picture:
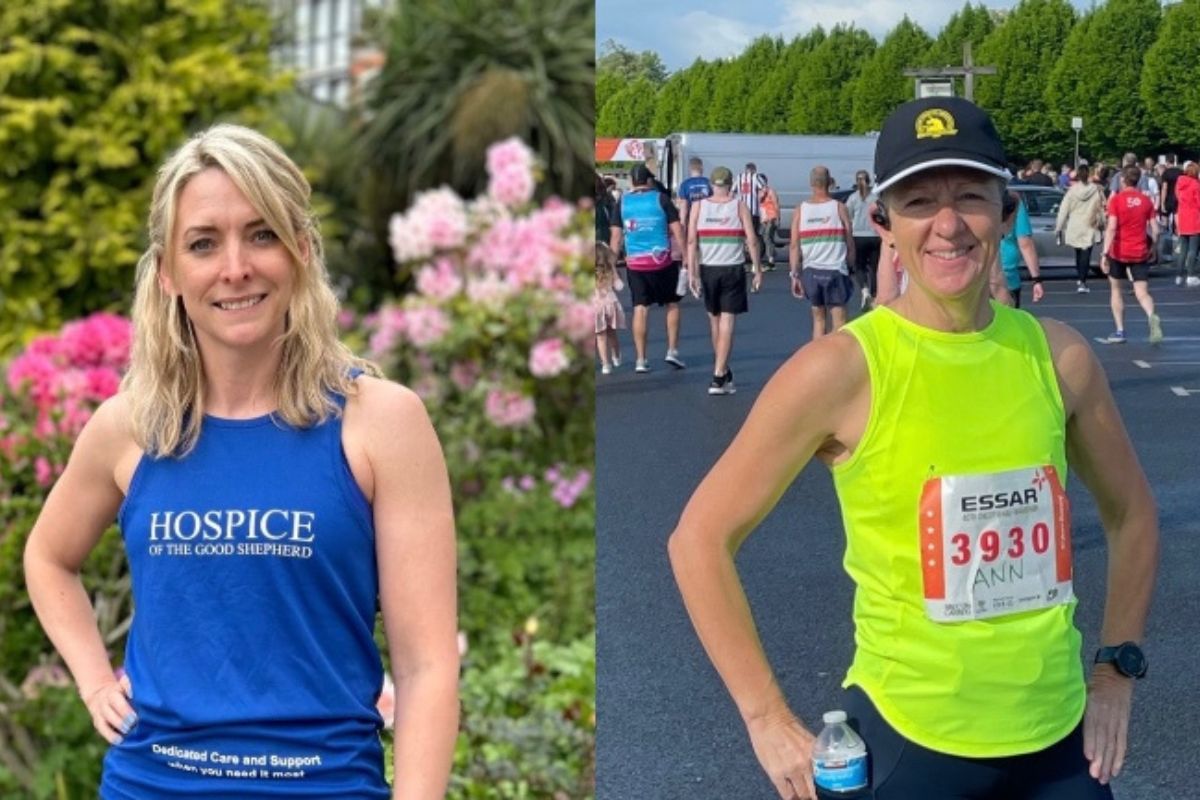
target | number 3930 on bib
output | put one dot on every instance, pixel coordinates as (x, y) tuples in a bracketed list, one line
[(995, 544)]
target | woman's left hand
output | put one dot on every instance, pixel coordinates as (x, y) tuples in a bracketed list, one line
[(1106, 722)]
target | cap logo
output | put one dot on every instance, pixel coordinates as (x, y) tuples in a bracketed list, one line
[(934, 123)]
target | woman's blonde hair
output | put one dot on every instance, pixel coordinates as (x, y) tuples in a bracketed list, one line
[(165, 382)]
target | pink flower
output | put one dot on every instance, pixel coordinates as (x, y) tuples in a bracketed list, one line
[(43, 471), (436, 221), (465, 374), (510, 169), (548, 358), (99, 340), (511, 153), (441, 214), (439, 281), (507, 409), (577, 321), (48, 346), (512, 187), (345, 319), (527, 483), (101, 383), (408, 239), (35, 374), (389, 327), (490, 290), (425, 325)]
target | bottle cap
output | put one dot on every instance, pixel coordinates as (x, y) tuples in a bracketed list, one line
[(834, 717)]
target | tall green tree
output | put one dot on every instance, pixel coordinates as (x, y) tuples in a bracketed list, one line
[(701, 77), (1024, 50), (881, 86), (822, 101), (93, 96), (771, 101), (669, 105), (1099, 78), (607, 84), (1170, 84), (763, 59), (630, 112), (971, 23), (616, 59)]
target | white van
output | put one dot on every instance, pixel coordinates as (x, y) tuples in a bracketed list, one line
[(786, 160)]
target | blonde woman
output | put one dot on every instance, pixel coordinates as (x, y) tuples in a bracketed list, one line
[(271, 490), (1081, 216)]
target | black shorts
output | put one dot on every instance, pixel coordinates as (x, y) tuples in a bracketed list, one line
[(826, 287), (654, 288), (903, 770), (724, 289), (1123, 269)]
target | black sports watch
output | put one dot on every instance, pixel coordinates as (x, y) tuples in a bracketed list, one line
[(1127, 657)]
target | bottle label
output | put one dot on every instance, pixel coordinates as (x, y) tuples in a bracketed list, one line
[(840, 774)]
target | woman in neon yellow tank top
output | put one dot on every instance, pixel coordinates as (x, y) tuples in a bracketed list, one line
[(947, 421)]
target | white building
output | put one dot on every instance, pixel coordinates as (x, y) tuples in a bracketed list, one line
[(322, 41)]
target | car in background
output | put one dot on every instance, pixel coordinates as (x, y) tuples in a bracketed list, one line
[(1058, 260)]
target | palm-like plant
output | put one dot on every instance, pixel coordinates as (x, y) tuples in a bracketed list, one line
[(462, 74)]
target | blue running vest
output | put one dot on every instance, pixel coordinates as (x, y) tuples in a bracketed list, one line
[(647, 233), (251, 654)]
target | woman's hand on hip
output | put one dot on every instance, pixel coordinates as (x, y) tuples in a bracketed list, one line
[(112, 714)]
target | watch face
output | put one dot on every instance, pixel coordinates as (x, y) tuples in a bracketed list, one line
[(1130, 661)]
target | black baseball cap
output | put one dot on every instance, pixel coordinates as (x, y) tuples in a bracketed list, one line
[(937, 132), (640, 175)]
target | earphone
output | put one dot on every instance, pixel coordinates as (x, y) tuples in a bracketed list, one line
[(1008, 204)]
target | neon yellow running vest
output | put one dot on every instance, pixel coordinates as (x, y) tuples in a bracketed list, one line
[(952, 404)]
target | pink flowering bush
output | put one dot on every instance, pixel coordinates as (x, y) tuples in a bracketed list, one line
[(500, 328), (50, 391), (497, 339)]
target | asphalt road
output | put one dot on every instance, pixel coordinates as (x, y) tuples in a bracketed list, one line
[(667, 729)]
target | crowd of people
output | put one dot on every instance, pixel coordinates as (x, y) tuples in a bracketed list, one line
[(690, 240)]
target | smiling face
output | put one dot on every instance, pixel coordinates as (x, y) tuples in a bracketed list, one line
[(234, 274), (946, 226)]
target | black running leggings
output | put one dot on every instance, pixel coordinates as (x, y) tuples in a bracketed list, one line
[(1083, 263), (903, 770)]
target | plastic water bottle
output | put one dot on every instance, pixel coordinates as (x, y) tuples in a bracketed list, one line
[(839, 759)]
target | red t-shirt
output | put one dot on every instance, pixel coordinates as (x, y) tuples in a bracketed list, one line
[(1133, 211)]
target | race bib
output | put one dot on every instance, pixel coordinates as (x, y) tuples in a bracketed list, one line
[(995, 544)]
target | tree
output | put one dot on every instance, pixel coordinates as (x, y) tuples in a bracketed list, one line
[(881, 85), (969, 24), (93, 96), (630, 112), (616, 59), (669, 105), (772, 100), (1024, 50), (701, 75), (1099, 77), (463, 74), (1170, 85), (823, 98), (761, 61)]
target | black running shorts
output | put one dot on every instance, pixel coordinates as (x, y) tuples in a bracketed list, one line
[(724, 289), (654, 288), (903, 770), (826, 287)]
